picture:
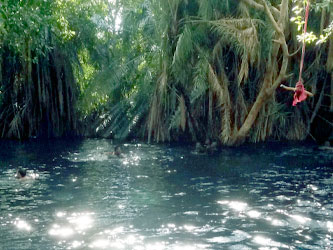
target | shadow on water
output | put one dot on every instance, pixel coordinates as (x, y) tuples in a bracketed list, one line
[(264, 196)]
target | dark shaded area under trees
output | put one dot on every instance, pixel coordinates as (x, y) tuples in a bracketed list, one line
[(162, 70)]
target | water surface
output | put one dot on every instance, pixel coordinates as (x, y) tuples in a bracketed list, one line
[(268, 196)]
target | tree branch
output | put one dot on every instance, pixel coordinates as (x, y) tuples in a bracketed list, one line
[(289, 75), (277, 41), (282, 74), (254, 4), (270, 16), (283, 13), (292, 54)]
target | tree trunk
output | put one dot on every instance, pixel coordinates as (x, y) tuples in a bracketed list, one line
[(331, 106), (269, 85), (241, 134), (329, 64)]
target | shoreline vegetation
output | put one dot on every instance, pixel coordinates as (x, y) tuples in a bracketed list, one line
[(165, 71)]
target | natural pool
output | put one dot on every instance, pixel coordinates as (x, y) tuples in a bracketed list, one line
[(266, 196)]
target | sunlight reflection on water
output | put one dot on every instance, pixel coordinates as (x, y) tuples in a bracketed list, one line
[(267, 242), (157, 197), (254, 214), (22, 225), (67, 226)]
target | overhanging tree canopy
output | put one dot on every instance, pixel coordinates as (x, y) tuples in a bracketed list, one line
[(162, 70)]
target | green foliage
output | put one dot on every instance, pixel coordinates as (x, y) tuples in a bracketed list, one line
[(184, 47), (200, 79), (148, 67), (298, 19), (25, 22)]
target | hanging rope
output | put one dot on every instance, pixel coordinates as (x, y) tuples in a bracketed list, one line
[(304, 32), (300, 93)]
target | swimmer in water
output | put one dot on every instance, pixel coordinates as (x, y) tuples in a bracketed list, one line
[(211, 148), (199, 148), (207, 148), (21, 173), (117, 151)]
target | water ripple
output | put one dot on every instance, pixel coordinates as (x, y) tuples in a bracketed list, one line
[(164, 197)]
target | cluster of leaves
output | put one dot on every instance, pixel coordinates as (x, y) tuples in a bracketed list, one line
[(115, 73), (184, 57), (37, 38), (26, 21), (298, 18), (171, 64)]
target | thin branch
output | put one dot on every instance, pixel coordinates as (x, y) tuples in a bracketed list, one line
[(325, 120), (258, 6), (282, 74), (314, 113), (283, 12), (277, 41), (269, 14), (254, 4), (292, 54), (289, 75), (284, 65)]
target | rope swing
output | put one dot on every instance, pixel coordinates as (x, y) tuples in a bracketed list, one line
[(300, 93)]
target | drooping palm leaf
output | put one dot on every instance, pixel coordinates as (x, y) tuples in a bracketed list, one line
[(242, 35)]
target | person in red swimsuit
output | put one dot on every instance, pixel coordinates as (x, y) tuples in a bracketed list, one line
[(300, 93)]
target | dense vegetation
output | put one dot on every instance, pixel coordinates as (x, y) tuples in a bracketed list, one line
[(163, 70)]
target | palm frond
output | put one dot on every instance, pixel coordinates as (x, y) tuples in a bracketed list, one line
[(241, 108), (184, 48), (215, 86), (220, 89), (178, 119), (156, 115), (182, 108), (200, 79), (242, 35), (14, 127), (214, 9), (205, 10), (244, 69)]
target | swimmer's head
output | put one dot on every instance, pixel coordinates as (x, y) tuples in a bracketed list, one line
[(117, 150), (21, 173)]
